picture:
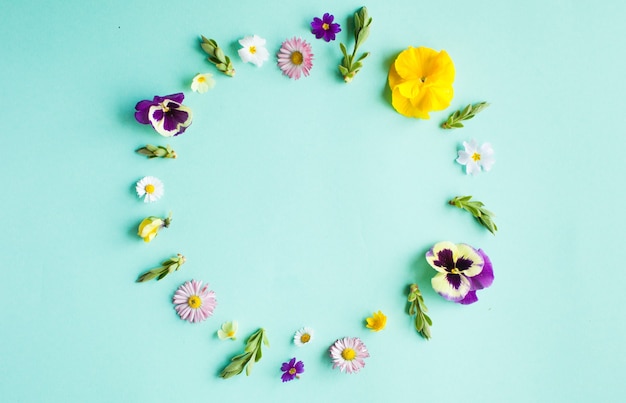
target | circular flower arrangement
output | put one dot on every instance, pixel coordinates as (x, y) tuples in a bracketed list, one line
[(420, 80)]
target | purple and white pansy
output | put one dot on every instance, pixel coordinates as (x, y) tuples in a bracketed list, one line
[(462, 271), (167, 115)]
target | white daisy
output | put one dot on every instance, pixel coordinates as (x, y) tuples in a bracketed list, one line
[(150, 188), (253, 50), (303, 336), (202, 83)]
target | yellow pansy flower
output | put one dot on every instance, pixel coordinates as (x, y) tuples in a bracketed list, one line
[(421, 81)]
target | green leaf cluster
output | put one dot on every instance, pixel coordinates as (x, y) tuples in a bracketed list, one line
[(467, 113), (350, 65), (418, 308), (151, 151), (169, 266), (482, 215), (252, 353), (217, 56)]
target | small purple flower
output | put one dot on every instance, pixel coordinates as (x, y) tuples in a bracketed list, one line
[(167, 115), (462, 270), (325, 28), (291, 370)]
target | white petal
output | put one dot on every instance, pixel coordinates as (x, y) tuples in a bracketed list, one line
[(472, 168)]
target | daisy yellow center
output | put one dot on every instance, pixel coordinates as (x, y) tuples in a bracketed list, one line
[(292, 371), (231, 333), (305, 338), (348, 354), (476, 157), (325, 26), (201, 79), (296, 58), (194, 302), (149, 188), (252, 49)]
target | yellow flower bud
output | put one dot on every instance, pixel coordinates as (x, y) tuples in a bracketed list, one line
[(149, 228)]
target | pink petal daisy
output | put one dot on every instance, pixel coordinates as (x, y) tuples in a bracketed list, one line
[(348, 354), (193, 302), (295, 58)]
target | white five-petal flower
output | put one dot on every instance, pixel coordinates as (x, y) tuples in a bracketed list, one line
[(228, 330), (253, 50), (474, 157), (202, 83), (150, 188)]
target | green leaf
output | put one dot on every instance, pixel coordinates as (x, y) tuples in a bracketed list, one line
[(482, 215), (363, 56), (347, 67), (467, 113), (252, 350), (419, 322), (417, 308), (343, 49), (249, 367)]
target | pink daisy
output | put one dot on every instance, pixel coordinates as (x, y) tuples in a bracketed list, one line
[(295, 57), (193, 302), (348, 354)]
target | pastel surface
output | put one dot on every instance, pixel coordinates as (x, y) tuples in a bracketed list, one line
[(310, 203)]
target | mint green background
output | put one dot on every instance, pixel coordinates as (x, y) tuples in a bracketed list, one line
[(310, 202)]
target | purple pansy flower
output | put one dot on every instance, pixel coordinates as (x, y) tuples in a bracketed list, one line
[(325, 28), (291, 370), (462, 270), (167, 115)]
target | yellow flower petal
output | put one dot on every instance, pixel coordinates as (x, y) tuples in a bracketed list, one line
[(405, 107)]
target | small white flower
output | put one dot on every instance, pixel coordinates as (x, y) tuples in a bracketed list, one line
[(303, 336), (202, 83), (150, 188), (253, 50), (474, 157), (228, 330)]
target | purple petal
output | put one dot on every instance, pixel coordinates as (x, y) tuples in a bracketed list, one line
[(179, 97), (285, 367), (142, 108), (485, 278), (317, 23), (286, 377), (299, 367), (470, 298), (157, 114)]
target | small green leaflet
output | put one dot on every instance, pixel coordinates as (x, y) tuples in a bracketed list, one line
[(418, 309), (245, 360), (455, 119), (482, 215), (349, 65)]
